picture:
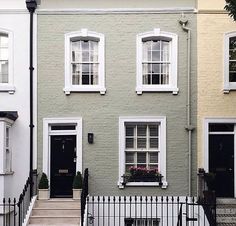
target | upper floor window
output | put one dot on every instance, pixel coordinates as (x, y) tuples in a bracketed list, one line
[(84, 62), (157, 62), (6, 62), (4, 53), (230, 62)]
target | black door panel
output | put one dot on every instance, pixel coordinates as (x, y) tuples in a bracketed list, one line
[(221, 162), (63, 166)]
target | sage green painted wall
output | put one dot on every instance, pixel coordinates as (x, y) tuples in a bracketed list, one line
[(116, 3), (101, 113)]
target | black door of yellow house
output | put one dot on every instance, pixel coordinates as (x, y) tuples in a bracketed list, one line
[(63, 165), (221, 158)]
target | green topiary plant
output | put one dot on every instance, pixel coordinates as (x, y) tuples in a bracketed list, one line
[(43, 183), (77, 182)]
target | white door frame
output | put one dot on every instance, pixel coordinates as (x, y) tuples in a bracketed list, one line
[(207, 121), (47, 123)]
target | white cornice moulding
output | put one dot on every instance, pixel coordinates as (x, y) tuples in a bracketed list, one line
[(117, 10), (14, 11)]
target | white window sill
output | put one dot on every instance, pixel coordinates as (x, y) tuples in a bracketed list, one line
[(157, 88), (7, 173), (143, 184), (230, 87), (85, 88), (7, 88)]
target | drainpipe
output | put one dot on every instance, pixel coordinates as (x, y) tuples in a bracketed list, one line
[(31, 6), (183, 22)]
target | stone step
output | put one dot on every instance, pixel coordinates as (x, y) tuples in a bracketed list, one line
[(57, 204), (230, 201), (59, 224), (56, 212), (54, 220), (225, 210), (226, 219)]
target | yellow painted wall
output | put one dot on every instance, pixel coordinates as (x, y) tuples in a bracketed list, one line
[(211, 4), (212, 102)]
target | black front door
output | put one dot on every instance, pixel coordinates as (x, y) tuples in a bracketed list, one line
[(221, 162), (63, 165)]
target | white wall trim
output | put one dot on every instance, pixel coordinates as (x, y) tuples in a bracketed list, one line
[(29, 212), (162, 142), (14, 11), (227, 85), (101, 59), (172, 86), (9, 87), (206, 123), (117, 10), (47, 122)]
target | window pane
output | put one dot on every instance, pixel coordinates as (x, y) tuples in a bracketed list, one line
[(129, 157), (3, 54), (141, 130), (232, 54), (156, 56), (76, 52), (85, 56), (63, 127), (94, 46), (145, 51), (232, 77), (153, 130), (232, 43), (141, 157), (232, 66), (129, 143), (4, 72), (155, 79), (153, 143), (156, 45), (85, 45), (153, 157), (165, 49), (129, 130), (3, 40), (221, 127), (156, 68), (141, 142)]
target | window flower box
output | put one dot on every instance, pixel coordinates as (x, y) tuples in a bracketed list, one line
[(139, 174)]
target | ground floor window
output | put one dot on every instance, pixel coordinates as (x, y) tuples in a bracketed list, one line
[(142, 149)]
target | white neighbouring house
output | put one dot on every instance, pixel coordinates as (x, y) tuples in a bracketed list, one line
[(14, 98)]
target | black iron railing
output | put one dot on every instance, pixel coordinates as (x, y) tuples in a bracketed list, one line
[(84, 194), (144, 210), (207, 197), (24, 202), (14, 212)]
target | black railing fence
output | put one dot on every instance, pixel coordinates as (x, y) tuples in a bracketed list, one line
[(144, 210), (84, 194), (13, 212)]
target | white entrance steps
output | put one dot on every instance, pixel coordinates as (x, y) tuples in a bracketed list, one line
[(226, 212), (55, 212)]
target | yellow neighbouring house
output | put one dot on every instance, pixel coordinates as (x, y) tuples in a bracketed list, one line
[(216, 43)]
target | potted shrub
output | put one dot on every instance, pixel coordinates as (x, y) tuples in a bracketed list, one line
[(43, 187), (77, 186)]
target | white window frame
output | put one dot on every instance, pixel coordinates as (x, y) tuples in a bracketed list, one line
[(9, 87), (173, 41), (47, 123), (205, 159), (227, 85), (100, 87), (161, 120), (4, 124)]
